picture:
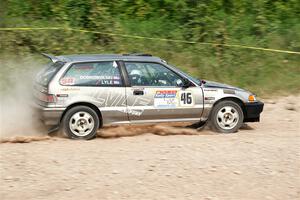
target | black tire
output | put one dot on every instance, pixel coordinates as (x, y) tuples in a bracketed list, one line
[(80, 110), (215, 121)]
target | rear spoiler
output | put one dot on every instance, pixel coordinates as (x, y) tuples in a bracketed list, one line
[(51, 57)]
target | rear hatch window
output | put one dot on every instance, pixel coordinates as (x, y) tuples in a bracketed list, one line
[(46, 74)]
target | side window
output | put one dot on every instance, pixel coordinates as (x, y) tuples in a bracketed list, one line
[(93, 74), (151, 74)]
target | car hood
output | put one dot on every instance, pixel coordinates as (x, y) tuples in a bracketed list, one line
[(212, 84)]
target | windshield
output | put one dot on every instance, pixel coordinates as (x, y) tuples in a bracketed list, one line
[(197, 81), (47, 73)]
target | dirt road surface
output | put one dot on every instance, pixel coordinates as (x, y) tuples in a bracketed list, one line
[(261, 161)]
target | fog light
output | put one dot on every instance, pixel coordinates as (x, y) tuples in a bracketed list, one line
[(251, 98)]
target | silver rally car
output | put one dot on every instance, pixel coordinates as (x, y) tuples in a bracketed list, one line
[(81, 93)]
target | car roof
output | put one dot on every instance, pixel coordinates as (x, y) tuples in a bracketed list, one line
[(103, 57)]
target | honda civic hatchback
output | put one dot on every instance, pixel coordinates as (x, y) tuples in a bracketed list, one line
[(81, 93)]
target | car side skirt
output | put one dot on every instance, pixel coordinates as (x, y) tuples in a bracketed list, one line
[(156, 121)]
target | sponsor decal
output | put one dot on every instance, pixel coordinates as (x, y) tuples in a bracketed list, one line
[(165, 99), (166, 94), (133, 112), (83, 67), (71, 89), (209, 98), (210, 90), (227, 91), (112, 98), (67, 81), (103, 80), (100, 77)]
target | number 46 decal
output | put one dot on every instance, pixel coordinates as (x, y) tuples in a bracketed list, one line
[(186, 99)]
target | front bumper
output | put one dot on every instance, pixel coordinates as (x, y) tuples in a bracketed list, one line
[(49, 116), (252, 111)]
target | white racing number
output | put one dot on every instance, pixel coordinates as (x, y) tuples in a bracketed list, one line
[(186, 99)]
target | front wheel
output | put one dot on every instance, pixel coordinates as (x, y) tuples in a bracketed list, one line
[(80, 122), (226, 117)]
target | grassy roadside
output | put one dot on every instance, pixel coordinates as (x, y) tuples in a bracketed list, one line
[(263, 73)]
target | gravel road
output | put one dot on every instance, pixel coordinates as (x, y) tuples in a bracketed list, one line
[(261, 161)]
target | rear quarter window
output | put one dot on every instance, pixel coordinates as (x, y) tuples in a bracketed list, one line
[(93, 74), (48, 72)]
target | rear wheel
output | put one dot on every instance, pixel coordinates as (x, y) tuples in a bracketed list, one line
[(80, 122), (226, 117)]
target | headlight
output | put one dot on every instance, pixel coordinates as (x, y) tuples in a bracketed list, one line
[(251, 98)]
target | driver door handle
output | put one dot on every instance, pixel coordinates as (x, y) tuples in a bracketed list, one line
[(138, 92)]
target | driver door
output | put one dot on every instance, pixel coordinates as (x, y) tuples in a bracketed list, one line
[(154, 94)]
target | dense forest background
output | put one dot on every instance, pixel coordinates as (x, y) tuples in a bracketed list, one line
[(261, 23)]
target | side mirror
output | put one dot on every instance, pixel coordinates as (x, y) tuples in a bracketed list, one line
[(185, 83)]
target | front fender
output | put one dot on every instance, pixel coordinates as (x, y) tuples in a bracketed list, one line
[(212, 96)]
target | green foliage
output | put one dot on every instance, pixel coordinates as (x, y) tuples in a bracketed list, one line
[(264, 23)]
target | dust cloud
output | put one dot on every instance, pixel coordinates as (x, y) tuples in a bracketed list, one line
[(16, 114)]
